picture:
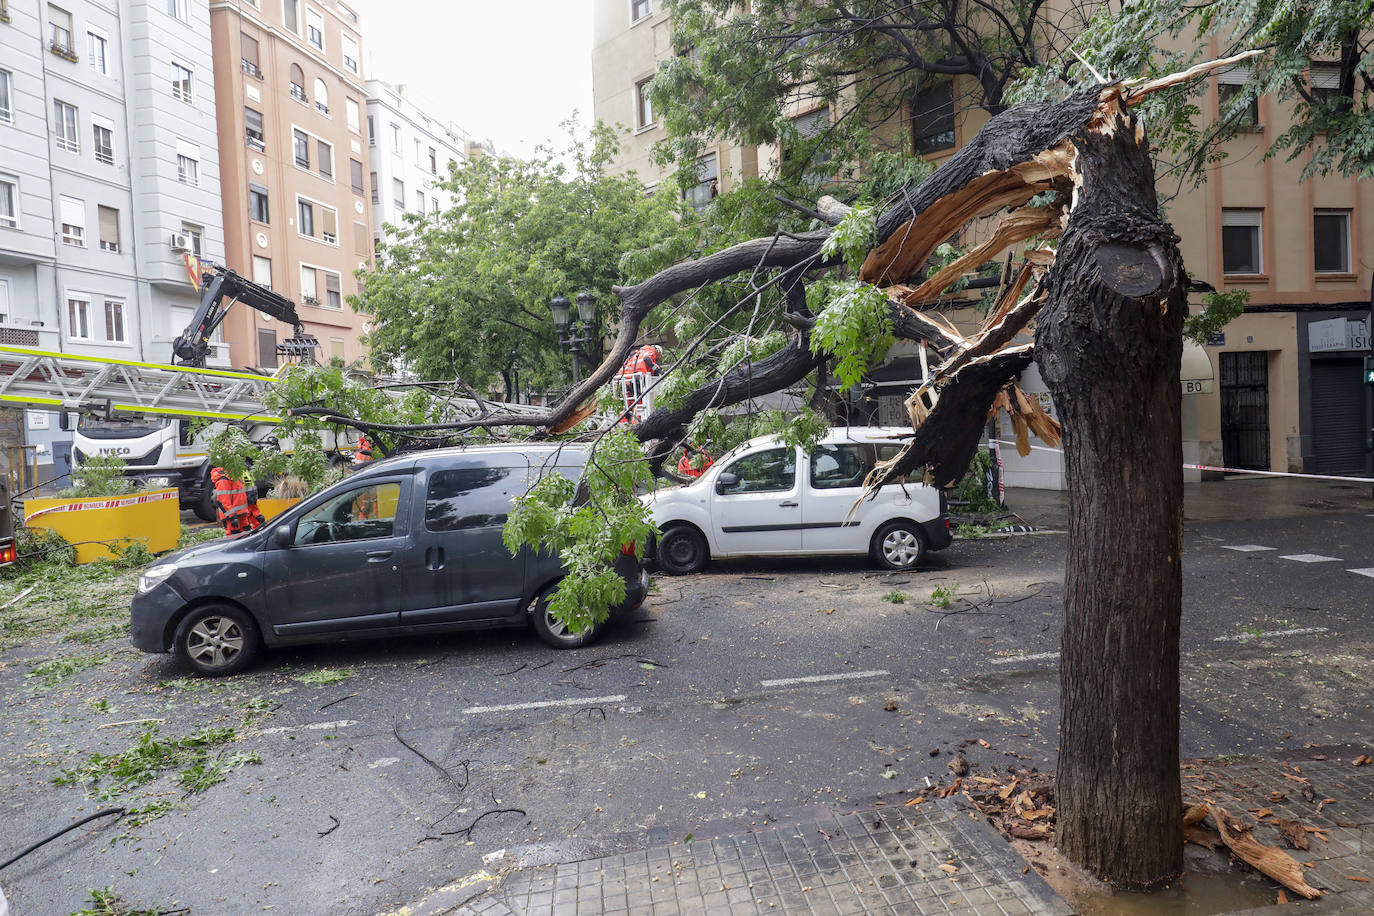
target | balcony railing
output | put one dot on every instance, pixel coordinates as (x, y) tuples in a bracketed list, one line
[(63, 50), (298, 93), (256, 142), (104, 156), (251, 69), (310, 300), (70, 144), (322, 108), (330, 237)]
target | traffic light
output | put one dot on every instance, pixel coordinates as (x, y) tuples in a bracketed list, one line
[(1369, 369)]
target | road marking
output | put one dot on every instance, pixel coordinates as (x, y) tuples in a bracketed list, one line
[(516, 707), (1246, 637), (1015, 659), (821, 678), (1311, 558), (337, 723), (1247, 548), (1363, 572)]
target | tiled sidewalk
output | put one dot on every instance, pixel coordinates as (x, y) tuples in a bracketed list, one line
[(882, 860)]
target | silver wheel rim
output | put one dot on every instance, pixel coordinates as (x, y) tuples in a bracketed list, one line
[(553, 625), (215, 641), (901, 548)]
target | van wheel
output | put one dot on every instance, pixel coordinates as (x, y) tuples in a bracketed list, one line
[(555, 633), (899, 545), (204, 507), (681, 551), (217, 640)]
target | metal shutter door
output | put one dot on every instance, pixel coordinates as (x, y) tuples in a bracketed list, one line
[(1337, 417)]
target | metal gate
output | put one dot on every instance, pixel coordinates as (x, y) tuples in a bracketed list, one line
[(1245, 409)]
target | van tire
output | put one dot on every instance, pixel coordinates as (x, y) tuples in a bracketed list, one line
[(899, 545), (216, 640), (204, 506), (682, 551), (554, 633)]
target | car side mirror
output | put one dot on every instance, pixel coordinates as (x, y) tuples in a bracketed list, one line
[(281, 536), (725, 481)]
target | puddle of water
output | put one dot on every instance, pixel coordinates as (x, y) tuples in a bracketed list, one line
[(1204, 894)]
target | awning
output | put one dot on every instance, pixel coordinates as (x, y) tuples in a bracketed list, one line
[(1196, 371)]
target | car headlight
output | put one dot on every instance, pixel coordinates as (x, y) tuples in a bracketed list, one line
[(154, 575)]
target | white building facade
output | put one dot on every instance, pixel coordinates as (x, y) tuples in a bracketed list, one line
[(409, 153), (109, 175)]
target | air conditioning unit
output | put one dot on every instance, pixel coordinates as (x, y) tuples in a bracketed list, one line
[(180, 242)]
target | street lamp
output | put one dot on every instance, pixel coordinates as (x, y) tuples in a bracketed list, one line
[(574, 336)]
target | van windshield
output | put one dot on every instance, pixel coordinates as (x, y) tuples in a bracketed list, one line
[(119, 428)]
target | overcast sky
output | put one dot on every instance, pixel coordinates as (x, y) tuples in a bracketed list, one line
[(507, 71)]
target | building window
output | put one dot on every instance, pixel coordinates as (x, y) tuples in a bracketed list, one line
[(262, 271), (6, 112), (291, 16), (644, 108), (114, 321), (267, 348), (1331, 241), (64, 126), (398, 194), (252, 129), (1241, 251), (298, 84), (708, 183), (104, 143), (333, 298), (434, 205), (371, 131), (418, 160), (433, 162), (1325, 82), (420, 202), (310, 294), (181, 82), (258, 209), (354, 114), (640, 8), (97, 47), (195, 235), (1231, 101), (810, 126), (329, 225), (108, 219), (78, 318), (360, 238), (249, 55), (932, 119), (188, 163), (305, 218), (350, 52), (326, 159), (321, 97), (396, 138), (60, 31), (179, 9), (336, 348), (9, 202), (300, 145), (73, 213), (372, 180), (314, 28), (355, 175)]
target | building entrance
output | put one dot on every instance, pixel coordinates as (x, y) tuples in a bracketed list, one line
[(1244, 382)]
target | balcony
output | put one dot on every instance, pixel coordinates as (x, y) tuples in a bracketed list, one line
[(250, 68), (63, 50), (311, 300), (298, 93)]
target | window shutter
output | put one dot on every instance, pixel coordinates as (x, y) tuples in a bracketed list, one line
[(73, 211), (331, 283), (1234, 76), (326, 158), (250, 48), (109, 224), (1325, 77)]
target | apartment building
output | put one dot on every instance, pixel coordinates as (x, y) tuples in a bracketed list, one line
[(1280, 389), (410, 152), (290, 92), (109, 176)]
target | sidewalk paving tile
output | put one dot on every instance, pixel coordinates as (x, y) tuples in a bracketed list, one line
[(881, 860)]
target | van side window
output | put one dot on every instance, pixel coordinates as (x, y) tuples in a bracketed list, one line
[(836, 466), (761, 472), (355, 515), (469, 498), (887, 453)]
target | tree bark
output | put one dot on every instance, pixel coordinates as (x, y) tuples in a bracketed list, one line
[(1109, 344)]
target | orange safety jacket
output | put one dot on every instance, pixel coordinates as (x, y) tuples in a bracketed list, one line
[(363, 453), (235, 505), (686, 466)]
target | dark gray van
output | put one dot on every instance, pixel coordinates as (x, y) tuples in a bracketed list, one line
[(409, 545)]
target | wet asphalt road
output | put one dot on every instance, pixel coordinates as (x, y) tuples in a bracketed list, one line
[(692, 716)]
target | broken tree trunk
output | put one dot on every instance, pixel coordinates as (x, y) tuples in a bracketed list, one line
[(1108, 344)]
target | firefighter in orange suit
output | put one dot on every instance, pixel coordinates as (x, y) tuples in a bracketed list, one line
[(363, 453), (236, 503), (693, 462)]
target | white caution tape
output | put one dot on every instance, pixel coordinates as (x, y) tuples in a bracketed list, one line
[(117, 502), (1208, 467)]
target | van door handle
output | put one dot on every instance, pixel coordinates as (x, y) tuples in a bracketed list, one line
[(788, 504), (378, 556), (434, 558)]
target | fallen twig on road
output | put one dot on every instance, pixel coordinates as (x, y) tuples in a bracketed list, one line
[(396, 730), (467, 831), (339, 700), (330, 830)]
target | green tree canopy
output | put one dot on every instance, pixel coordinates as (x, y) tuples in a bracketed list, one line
[(464, 292)]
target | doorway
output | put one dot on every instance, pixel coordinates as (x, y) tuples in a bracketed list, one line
[(1245, 409)]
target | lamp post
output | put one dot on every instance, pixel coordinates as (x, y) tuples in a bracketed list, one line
[(574, 336)]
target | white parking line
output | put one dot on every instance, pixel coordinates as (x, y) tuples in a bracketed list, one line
[(337, 723), (1369, 571), (1311, 558), (821, 678), (1016, 659), (542, 704), (1246, 637), (1247, 548)]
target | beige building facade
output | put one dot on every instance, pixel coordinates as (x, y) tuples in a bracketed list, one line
[(291, 96), (1282, 386)]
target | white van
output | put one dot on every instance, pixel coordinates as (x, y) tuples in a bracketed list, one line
[(767, 499)]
